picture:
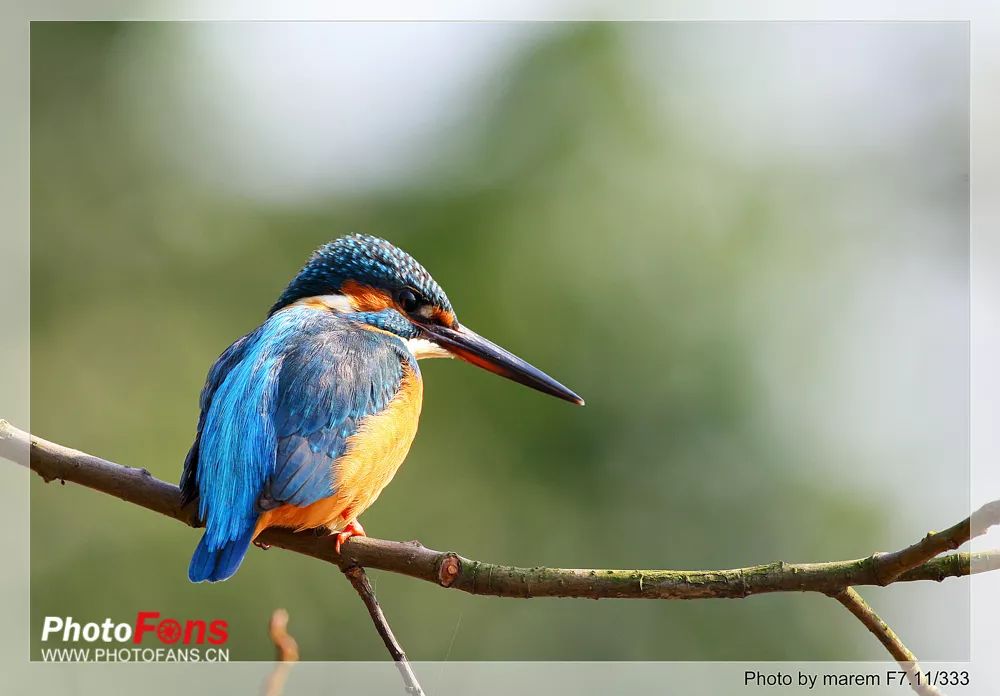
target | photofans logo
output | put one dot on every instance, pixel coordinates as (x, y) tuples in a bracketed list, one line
[(147, 639)]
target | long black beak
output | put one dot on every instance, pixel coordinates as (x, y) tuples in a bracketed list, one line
[(469, 346)]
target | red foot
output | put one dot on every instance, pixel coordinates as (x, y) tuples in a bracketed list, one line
[(353, 528)]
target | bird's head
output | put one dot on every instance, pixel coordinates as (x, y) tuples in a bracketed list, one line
[(372, 281)]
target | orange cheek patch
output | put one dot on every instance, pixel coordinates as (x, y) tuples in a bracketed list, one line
[(444, 317), (366, 298)]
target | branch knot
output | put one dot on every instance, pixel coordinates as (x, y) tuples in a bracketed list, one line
[(449, 569)]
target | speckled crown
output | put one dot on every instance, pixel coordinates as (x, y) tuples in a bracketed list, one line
[(366, 260)]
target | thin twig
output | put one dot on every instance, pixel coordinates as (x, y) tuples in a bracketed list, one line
[(286, 653), (359, 579), (285, 647), (855, 604), (891, 565), (446, 569)]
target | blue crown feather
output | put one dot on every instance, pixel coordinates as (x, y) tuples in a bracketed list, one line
[(366, 260)]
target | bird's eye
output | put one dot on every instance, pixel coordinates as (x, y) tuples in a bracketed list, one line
[(408, 300)]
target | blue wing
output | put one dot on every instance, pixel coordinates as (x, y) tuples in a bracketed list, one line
[(277, 410), (329, 382)]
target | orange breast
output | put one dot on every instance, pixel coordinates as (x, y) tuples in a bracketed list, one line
[(373, 455)]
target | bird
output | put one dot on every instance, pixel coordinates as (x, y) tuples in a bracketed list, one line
[(304, 420)]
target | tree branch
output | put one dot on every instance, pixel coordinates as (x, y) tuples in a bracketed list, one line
[(286, 653), (447, 569), (286, 649), (855, 604), (889, 566), (918, 562), (359, 579)]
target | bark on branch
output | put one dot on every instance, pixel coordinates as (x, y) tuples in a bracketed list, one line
[(855, 604), (447, 569), (918, 562), (359, 580)]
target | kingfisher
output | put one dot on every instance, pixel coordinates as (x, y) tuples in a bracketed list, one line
[(306, 419)]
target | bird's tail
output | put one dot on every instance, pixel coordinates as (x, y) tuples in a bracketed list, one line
[(218, 564)]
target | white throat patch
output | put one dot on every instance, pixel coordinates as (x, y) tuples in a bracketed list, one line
[(423, 349)]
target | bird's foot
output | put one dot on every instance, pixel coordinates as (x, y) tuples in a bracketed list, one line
[(353, 528), (261, 545)]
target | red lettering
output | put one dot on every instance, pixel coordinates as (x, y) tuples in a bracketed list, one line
[(190, 627), (218, 632), (141, 627)]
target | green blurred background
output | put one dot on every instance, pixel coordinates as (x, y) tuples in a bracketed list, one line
[(744, 244)]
